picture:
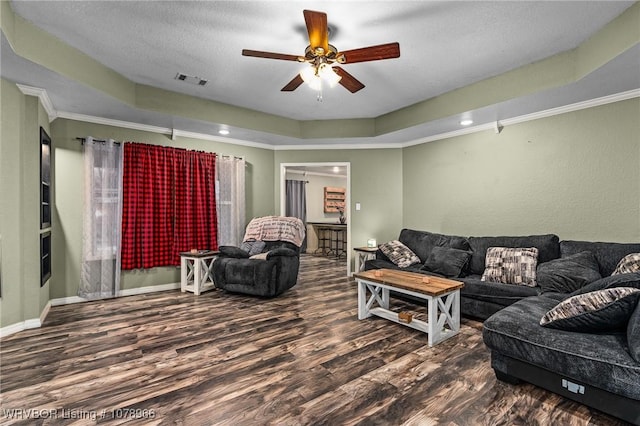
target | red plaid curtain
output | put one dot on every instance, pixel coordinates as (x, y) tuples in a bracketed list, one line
[(196, 219), (160, 186)]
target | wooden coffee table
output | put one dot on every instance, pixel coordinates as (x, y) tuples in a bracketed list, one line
[(442, 296)]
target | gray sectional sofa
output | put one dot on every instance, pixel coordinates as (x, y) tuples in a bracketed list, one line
[(598, 369), (478, 299)]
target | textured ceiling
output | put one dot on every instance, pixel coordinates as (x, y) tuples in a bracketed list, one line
[(444, 45)]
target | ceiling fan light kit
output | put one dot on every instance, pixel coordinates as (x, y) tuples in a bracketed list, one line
[(323, 58)]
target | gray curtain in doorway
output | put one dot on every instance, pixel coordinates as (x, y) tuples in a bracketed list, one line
[(296, 204)]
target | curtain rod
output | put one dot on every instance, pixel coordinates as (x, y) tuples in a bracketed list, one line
[(83, 140), (231, 156)]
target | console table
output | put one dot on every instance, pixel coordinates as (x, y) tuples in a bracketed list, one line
[(196, 271), (333, 244)]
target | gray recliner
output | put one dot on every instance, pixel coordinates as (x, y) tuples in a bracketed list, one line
[(236, 272)]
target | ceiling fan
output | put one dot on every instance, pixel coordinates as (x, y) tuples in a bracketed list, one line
[(323, 57)]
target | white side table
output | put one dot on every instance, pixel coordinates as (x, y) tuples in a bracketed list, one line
[(196, 271), (362, 255)]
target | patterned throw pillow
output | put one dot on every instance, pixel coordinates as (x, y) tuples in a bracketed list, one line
[(601, 310), (511, 265), (399, 254), (630, 263)]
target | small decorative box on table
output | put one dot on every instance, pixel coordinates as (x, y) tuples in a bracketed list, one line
[(442, 298), (196, 270)]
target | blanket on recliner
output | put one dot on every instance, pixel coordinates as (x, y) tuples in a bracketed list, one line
[(275, 228)]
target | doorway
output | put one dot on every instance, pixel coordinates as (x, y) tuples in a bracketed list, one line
[(318, 176)]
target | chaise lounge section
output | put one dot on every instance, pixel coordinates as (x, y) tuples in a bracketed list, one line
[(599, 368)]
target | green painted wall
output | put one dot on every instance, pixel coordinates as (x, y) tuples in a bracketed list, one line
[(575, 174), (11, 116), (376, 183), (21, 117), (67, 223)]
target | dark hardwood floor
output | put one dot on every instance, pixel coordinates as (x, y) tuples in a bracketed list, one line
[(302, 358)]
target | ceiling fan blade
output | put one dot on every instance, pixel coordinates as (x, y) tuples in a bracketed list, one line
[(348, 81), (293, 84), (269, 55), (372, 53), (317, 29)]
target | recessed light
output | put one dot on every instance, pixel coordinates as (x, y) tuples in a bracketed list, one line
[(466, 122), (223, 132), (336, 169)]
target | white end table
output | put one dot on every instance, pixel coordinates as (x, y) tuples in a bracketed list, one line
[(362, 255), (196, 271)]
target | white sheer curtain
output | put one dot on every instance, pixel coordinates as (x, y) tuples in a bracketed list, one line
[(230, 200), (102, 219)]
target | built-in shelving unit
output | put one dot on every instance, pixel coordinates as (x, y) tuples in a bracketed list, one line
[(45, 207), (45, 180), (334, 199)]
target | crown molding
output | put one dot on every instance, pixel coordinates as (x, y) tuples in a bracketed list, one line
[(591, 103), (115, 123), (305, 173), (214, 138), (44, 99), (48, 106), (333, 146)]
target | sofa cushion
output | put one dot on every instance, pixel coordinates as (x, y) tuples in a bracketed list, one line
[(399, 253), (446, 261), (633, 334), (567, 274), (601, 310), (511, 265), (600, 360), (548, 248), (422, 242), (500, 293), (607, 254), (630, 263), (620, 280)]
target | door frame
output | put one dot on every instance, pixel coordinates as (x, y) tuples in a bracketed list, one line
[(347, 203)]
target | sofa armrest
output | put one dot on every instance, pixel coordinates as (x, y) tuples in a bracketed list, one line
[(233, 252), (282, 251)]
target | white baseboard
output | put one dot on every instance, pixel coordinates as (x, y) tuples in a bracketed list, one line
[(37, 322), (13, 328), (67, 300), (20, 326), (45, 312), (121, 293), (150, 289)]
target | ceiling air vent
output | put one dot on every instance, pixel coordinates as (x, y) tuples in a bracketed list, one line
[(191, 79)]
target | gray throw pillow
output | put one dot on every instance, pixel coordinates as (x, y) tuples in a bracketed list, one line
[(399, 254), (567, 274), (620, 280), (253, 247), (446, 261), (602, 310), (633, 334)]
